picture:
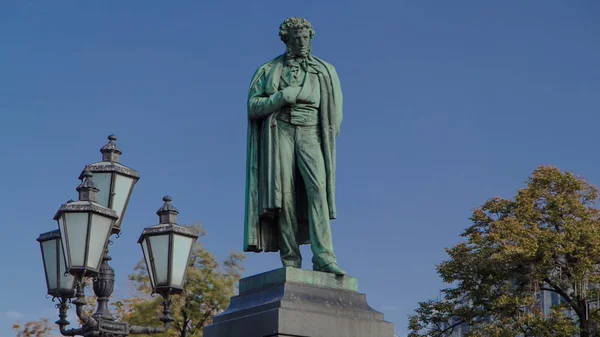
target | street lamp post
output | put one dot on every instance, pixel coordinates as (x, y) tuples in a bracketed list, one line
[(78, 250)]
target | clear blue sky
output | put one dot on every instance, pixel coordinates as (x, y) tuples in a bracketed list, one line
[(446, 105)]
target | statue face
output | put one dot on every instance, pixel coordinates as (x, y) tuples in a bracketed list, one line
[(299, 42)]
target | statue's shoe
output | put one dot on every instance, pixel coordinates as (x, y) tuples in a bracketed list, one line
[(332, 268), (292, 265)]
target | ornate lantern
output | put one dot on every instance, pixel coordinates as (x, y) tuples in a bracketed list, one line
[(59, 283), (167, 247), (85, 227), (115, 181)]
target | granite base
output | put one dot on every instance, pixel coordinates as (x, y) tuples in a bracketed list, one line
[(291, 302)]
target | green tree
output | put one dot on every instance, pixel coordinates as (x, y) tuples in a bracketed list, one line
[(208, 288), (547, 238), (39, 328)]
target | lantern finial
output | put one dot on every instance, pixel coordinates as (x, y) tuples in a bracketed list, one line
[(167, 213), (87, 189), (110, 151)]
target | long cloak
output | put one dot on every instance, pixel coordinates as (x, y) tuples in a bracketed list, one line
[(263, 180)]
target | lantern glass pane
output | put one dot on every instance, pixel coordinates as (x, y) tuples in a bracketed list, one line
[(181, 254), (63, 238), (147, 259), (122, 189), (65, 282), (50, 255), (76, 225), (100, 231), (160, 253), (103, 182)]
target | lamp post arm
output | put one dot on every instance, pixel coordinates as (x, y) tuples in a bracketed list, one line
[(63, 307), (74, 332), (62, 324), (89, 324), (80, 303), (85, 319), (167, 319)]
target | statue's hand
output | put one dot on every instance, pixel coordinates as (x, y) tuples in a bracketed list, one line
[(290, 94)]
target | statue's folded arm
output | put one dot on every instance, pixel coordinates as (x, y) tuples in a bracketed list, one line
[(260, 104)]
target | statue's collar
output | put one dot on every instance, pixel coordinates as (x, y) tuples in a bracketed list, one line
[(310, 60)]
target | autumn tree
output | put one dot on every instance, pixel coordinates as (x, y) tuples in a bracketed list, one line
[(208, 288), (39, 328), (546, 238)]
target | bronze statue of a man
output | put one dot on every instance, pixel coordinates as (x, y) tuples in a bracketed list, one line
[(294, 117)]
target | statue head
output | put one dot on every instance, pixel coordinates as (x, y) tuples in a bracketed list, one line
[(297, 34)]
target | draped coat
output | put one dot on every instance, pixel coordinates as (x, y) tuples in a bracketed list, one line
[(263, 178)]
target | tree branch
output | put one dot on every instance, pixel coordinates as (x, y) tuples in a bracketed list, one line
[(205, 317), (563, 294), (449, 329)]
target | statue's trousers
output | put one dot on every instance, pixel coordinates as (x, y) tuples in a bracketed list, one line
[(301, 153)]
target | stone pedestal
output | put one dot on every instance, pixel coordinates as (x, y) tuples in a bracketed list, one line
[(291, 302)]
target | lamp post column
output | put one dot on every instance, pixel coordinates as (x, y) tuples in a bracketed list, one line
[(104, 285)]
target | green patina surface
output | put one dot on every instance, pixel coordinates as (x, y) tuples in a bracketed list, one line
[(298, 276), (294, 118)]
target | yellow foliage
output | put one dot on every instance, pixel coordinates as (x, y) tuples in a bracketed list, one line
[(547, 238), (39, 328)]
